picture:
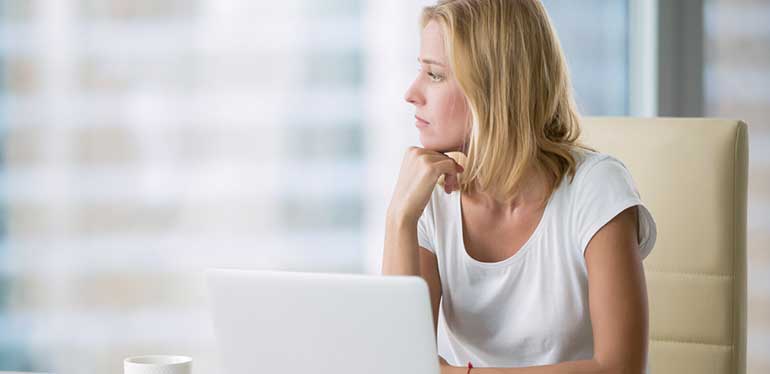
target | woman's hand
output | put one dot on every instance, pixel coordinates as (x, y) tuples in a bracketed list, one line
[(420, 170)]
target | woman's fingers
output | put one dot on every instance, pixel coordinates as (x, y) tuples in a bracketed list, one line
[(450, 176), (450, 182), (447, 166)]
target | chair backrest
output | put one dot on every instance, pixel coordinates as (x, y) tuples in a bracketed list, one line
[(692, 174)]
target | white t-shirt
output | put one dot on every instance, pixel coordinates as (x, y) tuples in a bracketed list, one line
[(531, 308)]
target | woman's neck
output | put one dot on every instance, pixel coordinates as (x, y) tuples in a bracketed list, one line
[(532, 194)]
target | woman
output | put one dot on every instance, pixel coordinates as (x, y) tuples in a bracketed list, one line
[(533, 247)]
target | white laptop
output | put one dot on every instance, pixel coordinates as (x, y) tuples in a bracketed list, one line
[(299, 323)]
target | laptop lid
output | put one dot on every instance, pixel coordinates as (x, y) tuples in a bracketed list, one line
[(294, 322)]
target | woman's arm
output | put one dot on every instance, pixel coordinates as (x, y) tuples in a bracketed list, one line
[(617, 295), (403, 256), (400, 256), (420, 169), (401, 259), (429, 272)]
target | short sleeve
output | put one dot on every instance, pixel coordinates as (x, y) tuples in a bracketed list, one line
[(426, 229), (604, 191)]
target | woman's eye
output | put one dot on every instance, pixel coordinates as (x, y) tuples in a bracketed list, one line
[(435, 77)]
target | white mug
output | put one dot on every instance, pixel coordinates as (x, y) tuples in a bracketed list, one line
[(157, 364)]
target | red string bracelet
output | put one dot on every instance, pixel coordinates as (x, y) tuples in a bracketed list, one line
[(470, 366)]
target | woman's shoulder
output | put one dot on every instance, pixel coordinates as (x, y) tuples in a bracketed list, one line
[(598, 171), (439, 199), (438, 209), (588, 162)]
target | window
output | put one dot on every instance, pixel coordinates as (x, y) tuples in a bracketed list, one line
[(596, 51), (737, 85), (144, 141)]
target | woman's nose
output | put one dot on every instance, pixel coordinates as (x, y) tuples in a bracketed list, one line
[(412, 95)]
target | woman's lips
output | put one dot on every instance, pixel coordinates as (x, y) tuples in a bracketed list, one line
[(420, 122)]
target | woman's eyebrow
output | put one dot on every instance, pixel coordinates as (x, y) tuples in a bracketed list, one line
[(428, 61)]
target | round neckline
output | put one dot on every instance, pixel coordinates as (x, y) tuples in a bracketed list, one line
[(516, 256)]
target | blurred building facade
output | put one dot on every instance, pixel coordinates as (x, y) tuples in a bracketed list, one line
[(144, 141), (737, 85)]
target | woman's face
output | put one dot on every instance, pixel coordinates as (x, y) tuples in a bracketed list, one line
[(437, 97)]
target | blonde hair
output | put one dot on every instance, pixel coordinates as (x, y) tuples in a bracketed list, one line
[(508, 62)]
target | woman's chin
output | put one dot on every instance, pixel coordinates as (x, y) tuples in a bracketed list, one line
[(440, 145), (441, 148), (431, 146)]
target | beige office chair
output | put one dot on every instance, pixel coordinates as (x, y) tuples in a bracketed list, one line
[(692, 174)]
